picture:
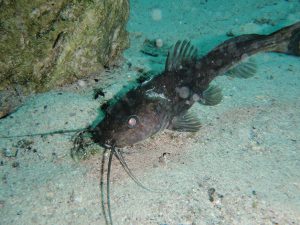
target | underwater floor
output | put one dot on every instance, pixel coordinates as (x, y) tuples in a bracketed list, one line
[(242, 167)]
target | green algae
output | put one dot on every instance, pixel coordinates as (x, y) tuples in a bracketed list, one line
[(45, 44)]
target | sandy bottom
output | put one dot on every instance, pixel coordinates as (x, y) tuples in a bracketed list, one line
[(242, 167)]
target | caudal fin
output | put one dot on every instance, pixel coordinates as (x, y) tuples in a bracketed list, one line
[(286, 40)]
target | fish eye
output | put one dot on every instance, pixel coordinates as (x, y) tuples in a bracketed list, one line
[(132, 121)]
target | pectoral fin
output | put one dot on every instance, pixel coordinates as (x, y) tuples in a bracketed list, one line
[(211, 96), (186, 122)]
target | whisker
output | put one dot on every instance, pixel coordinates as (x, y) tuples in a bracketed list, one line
[(106, 211), (112, 152), (102, 186), (128, 171)]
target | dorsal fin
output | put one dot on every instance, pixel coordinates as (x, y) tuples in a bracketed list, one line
[(180, 54)]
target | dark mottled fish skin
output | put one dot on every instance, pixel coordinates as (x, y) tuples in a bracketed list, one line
[(155, 104)]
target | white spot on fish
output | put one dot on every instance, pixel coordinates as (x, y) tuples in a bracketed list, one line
[(188, 102), (195, 97), (183, 92), (244, 56)]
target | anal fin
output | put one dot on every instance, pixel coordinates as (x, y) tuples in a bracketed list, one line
[(186, 122), (244, 70)]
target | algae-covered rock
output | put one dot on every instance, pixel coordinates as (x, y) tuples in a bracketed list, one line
[(48, 43)]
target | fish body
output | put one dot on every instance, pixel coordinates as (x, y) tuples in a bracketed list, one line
[(164, 101)]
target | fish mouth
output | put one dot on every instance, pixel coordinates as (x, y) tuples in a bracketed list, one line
[(110, 143)]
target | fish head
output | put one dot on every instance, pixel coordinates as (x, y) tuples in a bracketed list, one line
[(131, 120)]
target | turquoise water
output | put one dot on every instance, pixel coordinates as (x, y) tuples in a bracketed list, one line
[(242, 167)]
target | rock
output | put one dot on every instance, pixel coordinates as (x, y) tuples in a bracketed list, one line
[(10, 152), (45, 44)]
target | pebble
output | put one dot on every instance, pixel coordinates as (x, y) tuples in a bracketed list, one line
[(81, 83), (2, 204), (15, 164), (50, 196), (10, 152), (256, 147), (211, 194), (78, 199), (163, 159)]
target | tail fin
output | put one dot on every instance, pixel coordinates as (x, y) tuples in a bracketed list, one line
[(231, 52), (286, 40)]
